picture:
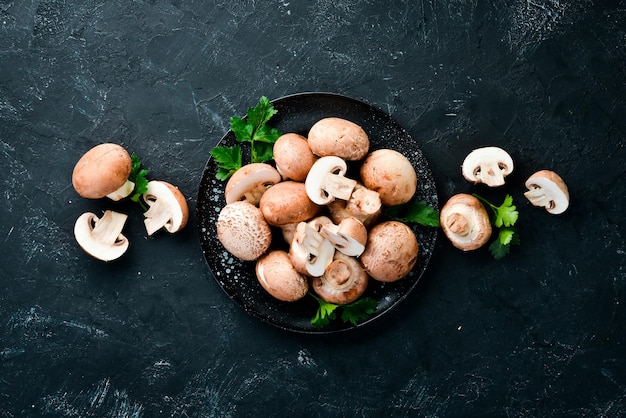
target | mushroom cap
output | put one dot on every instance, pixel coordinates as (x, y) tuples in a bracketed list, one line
[(293, 157), (391, 174), (250, 182), (465, 222), (343, 282), (391, 251), (167, 207), (547, 189), (102, 237), (339, 137), (287, 202), (101, 171), (488, 165), (279, 278), (243, 231)]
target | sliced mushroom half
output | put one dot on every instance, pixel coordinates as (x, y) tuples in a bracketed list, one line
[(547, 189), (488, 165), (326, 181), (250, 182), (349, 237), (167, 208), (310, 251), (102, 237)]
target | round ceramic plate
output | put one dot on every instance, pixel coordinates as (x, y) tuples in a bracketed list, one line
[(297, 113)]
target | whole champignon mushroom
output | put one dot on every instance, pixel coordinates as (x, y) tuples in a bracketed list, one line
[(338, 137), (343, 282), (243, 231), (279, 278), (326, 181), (364, 204), (287, 202), (310, 251), (348, 237), (547, 189), (391, 174), (293, 157), (167, 207), (488, 165), (465, 222), (391, 251), (250, 182), (103, 171), (102, 237)]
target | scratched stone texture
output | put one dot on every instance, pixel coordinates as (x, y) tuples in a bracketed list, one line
[(541, 332)]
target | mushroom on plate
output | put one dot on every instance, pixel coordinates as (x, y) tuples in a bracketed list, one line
[(465, 222), (167, 207), (547, 189), (310, 251), (391, 174), (391, 251), (326, 181), (243, 231), (293, 157), (279, 278), (348, 237), (338, 137), (488, 165), (343, 281), (102, 237), (287, 202), (250, 182), (364, 204), (103, 171)]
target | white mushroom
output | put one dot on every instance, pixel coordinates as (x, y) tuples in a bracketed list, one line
[(547, 189), (279, 278), (243, 231), (167, 208), (102, 237), (349, 237), (310, 252), (326, 181), (103, 171), (465, 222), (250, 182), (343, 282), (488, 165)]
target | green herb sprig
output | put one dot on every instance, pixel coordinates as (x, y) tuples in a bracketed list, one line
[(414, 211), (504, 218), (350, 313), (138, 176)]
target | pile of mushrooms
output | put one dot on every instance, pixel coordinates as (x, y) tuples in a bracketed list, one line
[(313, 221), (464, 219), (104, 171)]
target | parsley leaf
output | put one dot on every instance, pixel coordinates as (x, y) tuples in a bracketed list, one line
[(325, 313), (505, 217), (253, 129), (502, 246), (352, 312), (138, 176), (414, 212), (228, 160)]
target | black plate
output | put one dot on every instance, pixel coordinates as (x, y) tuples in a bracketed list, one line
[(297, 113)]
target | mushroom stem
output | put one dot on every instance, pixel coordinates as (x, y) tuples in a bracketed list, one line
[(538, 197), (339, 186), (126, 189), (157, 216), (109, 227)]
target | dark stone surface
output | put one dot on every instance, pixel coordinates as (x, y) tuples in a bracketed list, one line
[(539, 333)]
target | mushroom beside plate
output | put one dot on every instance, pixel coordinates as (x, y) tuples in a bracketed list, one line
[(297, 113)]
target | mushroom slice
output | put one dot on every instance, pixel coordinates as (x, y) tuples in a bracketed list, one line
[(167, 207), (310, 252), (349, 237), (102, 237), (243, 231), (326, 181), (547, 189), (103, 171), (465, 222), (488, 165), (279, 278), (250, 182), (343, 282), (364, 204), (391, 251)]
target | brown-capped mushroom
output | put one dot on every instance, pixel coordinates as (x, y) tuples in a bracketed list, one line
[(167, 207), (465, 222), (103, 171), (348, 237), (250, 182), (279, 278), (391, 251), (243, 231), (343, 282), (326, 181), (547, 189), (293, 157), (287, 202), (338, 137), (391, 174), (310, 251), (364, 204), (488, 165), (102, 237)]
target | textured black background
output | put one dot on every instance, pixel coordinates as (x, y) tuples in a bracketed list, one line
[(539, 333)]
